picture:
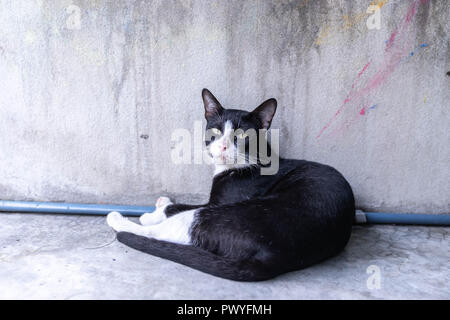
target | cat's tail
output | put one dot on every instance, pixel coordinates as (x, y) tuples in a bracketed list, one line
[(198, 258)]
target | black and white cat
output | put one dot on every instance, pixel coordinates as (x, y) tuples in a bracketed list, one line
[(254, 226)]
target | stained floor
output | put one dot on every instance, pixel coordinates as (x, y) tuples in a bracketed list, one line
[(77, 257)]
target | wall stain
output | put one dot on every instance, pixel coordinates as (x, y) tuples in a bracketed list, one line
[(394, 54), (329, 29)]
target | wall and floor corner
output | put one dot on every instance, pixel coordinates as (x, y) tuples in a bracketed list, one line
[(91, 91)]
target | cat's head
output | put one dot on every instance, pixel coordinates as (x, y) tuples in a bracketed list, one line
[(232, 135)]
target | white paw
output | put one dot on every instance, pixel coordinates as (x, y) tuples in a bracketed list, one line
[(150, 218), (115, 220), (162, 202)]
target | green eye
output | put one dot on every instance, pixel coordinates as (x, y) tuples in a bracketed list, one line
[(216, 131), (241, 135)]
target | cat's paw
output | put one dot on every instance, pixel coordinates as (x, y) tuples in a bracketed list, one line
[(162, 202), (115, 220), (148, 219), (158, 215)]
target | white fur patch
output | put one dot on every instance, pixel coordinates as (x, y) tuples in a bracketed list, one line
[(223, 149), (221, 168), (158, 215), (174, 229), (225, 159)]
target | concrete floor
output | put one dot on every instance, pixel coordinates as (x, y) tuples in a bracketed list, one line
[(77, 257)]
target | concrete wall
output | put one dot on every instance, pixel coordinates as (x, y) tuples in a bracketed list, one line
[(91, 90)]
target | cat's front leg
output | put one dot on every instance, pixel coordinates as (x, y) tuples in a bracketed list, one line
[(166, 209), (158, 215)]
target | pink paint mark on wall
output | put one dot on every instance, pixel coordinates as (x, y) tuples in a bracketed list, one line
[(359, 75), (341, 129), (411, 13), (347, 100), (393, 55), (391, 40), (345, 125), (364, 69)]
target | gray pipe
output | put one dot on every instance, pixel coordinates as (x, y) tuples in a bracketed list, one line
[(71, 208), (103, 209)]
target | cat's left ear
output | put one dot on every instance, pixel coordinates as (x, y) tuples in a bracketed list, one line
[(265, 112), (212, 106)]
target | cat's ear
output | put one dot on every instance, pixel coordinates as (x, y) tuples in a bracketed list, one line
[(212, 106), (265, 112)]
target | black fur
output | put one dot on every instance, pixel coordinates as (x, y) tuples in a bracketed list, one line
[(255, 226)]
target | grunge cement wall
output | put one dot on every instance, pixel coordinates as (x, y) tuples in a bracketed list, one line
[(90, 92)]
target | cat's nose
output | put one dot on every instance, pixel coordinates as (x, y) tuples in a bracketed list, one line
[(223, 147)]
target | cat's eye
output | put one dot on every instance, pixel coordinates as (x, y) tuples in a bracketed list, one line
[(216, 131)]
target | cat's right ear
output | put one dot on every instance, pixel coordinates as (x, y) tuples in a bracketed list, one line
[(212, 106)]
